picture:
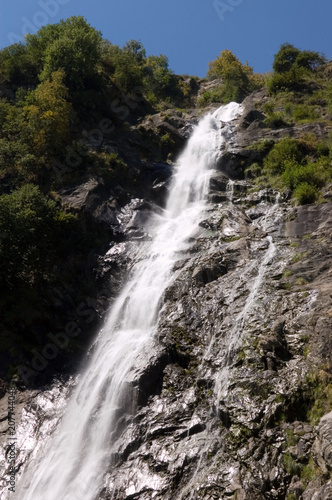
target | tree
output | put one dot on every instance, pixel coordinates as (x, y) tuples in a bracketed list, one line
[(158, 76), (72, 45), (124, 65), (48, 115), (29, 224), (289, 57), (17, 65), (235, 76), (135, 47)]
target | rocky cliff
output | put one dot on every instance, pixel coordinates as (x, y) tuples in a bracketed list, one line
[(233, 398)]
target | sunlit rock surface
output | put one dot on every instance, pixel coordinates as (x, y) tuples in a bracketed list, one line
[(228, 401)]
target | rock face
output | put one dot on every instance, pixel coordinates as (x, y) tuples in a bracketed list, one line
[(233, 396)]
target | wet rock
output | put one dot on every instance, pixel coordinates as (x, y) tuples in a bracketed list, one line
[(218, 182), (204, 274), (250, 117), (296, 487), (218, 405)]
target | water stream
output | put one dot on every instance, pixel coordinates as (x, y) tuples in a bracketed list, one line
[(74, 465)]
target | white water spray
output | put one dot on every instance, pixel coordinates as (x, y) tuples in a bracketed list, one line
[(75, 463)]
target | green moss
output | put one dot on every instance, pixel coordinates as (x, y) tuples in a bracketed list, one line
[(301, 281), (298, 256)]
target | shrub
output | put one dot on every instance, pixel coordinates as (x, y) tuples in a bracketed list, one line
[(305, 112), (295, 174), (263, 145), (276, 120), (285, 151), (210, 96), (290, 80), (305, 193)]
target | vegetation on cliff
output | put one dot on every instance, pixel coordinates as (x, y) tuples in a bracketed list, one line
[(67, 89)]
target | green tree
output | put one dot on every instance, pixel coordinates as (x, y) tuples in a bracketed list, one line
[(72, 45), (29, 224), (289, 57), (17, 65), (158, 76), (135, 47), (123, 65), (48, 115), (236, 77)]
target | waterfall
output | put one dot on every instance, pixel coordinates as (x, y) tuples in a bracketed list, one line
[(74, 465), (230, 191)]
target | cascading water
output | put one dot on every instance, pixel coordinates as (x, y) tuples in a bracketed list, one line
[(75, 462)]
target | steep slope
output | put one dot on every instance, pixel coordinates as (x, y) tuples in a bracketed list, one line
[(233, 400)]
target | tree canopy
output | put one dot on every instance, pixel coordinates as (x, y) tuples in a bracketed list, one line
[(238, 80), (289, 57)]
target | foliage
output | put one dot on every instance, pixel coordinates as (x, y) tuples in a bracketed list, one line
[(276, 120), (237, 79), (291, 465), (291, 67), (35, 129), (17, 65), (302, 166), (303, 112), (305, 193), (123, 65), (320, 386), (289, 57), (136, 49), (158, 77), (48, 115), (30, 224), (290, 80), (285, 152), (111, 167), (72, 45)]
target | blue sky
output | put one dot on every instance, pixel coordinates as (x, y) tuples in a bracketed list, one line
[(190, 32)]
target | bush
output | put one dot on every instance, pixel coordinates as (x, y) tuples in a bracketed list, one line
[(296, 174), (305, 112), (276, 120), (211, 96), (285, 151), (305, 193), (290, 80)]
